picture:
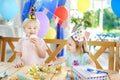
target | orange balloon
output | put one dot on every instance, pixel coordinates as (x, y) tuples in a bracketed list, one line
[(83, 5)]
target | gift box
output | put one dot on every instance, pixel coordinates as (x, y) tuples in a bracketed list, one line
[(88, 73)]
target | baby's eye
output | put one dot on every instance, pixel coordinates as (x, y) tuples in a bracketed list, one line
[(35, 28), (69, 44)]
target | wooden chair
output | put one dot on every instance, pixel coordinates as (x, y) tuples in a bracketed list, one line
[(3, 43), (117, 64), (113, 53), (52, 55), (11, 40)]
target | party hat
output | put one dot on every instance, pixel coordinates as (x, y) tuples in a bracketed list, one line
[(31, 14), (78, 35)]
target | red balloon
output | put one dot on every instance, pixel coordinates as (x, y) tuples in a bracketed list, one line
[(62, 13)]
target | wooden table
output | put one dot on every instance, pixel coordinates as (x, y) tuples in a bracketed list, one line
[(9, 67)]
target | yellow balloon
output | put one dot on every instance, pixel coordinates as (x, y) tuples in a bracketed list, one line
[(83, 5), (51, 34)]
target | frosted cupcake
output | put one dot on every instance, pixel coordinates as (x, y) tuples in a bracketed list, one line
[(33, 36)]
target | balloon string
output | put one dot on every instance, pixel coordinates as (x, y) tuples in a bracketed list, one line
[(46, 10), (52, 13)]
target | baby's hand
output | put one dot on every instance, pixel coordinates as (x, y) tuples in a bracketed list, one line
[(19, 64), (34, 39), (50, 63)]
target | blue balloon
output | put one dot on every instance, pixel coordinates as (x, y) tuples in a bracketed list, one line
[(51, 5), (115, 4), (0, 6), (61, 2), (8, 9)]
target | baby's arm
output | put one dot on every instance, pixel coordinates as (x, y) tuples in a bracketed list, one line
[(40, 49), (91, 62), (19, 62), (59, 60), (41, 52)]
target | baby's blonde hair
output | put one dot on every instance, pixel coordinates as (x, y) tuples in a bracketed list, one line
[(34, 22)]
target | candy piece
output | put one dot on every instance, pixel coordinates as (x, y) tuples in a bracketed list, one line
[(4, 74), (14, 78), (58, 67), (21, 77)]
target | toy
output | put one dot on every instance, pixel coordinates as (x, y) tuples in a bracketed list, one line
[(75, 63)]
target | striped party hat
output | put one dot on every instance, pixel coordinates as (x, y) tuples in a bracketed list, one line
[(31, 14)]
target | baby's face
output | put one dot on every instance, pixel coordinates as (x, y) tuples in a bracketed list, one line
[(71, 46), (31, 30)]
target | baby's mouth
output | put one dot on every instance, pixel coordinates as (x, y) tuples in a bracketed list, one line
[(32, 34)]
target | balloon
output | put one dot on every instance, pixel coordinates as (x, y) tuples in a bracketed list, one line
[(47, 4), (51, 34), (62, 13), (44, 24), (8, 9), (83, 5), (51, 5), (116, 7), (61, 2)]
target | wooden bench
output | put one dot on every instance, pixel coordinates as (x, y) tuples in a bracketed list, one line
[(113, 53)]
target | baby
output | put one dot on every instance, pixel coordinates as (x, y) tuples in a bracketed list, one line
[(31, 49)]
